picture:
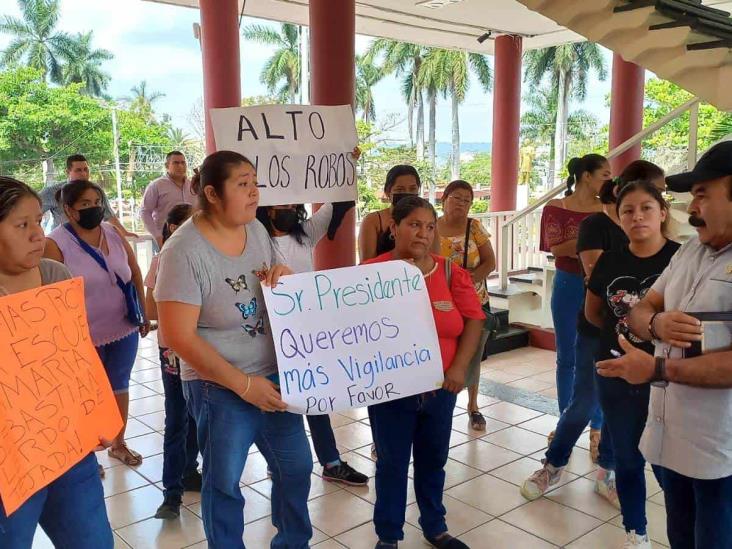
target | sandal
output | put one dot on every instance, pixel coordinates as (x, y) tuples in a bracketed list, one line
[(477, 421), (125, 455), (101, 471)]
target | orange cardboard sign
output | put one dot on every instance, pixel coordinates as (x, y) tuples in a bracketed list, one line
[(55, 398)]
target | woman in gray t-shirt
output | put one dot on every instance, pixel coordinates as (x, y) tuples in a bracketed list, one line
[(72, 506), (211, 311)]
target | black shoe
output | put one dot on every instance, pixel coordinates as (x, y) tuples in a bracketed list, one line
[(386, 545), (193, 482), (170, 509), (345, 474), (446, 541)]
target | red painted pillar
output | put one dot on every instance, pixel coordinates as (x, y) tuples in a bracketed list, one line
[(626, 109), (506, 121), (332, 82), (221, 66)]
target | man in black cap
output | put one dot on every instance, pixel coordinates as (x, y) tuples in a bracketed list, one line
[(688, 435)]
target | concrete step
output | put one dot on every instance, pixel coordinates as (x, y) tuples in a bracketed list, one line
[(511, 338), (528, 278)]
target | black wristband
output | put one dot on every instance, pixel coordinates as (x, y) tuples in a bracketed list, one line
[(659, 372)]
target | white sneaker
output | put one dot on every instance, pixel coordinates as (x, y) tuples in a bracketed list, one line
[(635, 541), (540, 481), (605, 486)]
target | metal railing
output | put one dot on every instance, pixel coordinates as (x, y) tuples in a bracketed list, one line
[(519, 236)]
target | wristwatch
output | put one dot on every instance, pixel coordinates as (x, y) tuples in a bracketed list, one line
[(659, 373)]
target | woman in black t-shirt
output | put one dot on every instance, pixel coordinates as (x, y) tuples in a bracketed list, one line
[(619, 280)]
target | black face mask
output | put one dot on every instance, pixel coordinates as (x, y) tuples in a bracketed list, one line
[(285, 220), (396, 197), (91, 218)]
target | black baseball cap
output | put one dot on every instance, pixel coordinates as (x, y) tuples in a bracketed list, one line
[(715, 163)]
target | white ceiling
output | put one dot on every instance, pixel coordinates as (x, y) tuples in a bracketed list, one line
[(456, 25)]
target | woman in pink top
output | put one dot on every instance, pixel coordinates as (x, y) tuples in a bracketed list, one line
[(114, 336), (560, 223)]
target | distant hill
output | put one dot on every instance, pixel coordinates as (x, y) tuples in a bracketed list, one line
[(444, 150)]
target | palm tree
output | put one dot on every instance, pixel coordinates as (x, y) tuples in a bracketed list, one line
[(83, 64), (448, 71), (177, 137), (539, 121), (367, 76), (142, 98), (35, 40), (281, 73), (568, 67), (405, 60)]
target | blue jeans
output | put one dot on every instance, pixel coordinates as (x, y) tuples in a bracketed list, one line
[(698, 512), (582, 407), (419, 424), (625, 409), (70, 510), (180, 446), (323, 439), (227, 427), (567, 298)]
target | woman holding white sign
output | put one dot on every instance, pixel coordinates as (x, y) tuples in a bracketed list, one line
[(71, 508), (421, 424), (296, 236), (211, 309)]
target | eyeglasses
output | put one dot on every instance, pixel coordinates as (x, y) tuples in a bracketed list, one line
[(459, 200)]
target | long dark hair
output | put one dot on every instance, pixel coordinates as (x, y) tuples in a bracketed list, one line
[(646, 186), (12, 192), (577, 167), (214, 171), (398, 171), (70, 193), (297, 231), (176, 216)]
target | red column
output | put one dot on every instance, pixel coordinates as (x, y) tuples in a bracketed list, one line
[(626, 109), (221, 66), (332, 82), (506, 120)]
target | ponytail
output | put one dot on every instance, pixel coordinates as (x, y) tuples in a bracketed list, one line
[(577, 167)]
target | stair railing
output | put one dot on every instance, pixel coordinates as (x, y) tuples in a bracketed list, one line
[(506, 243)]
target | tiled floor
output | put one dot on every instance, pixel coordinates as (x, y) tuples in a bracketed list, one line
[(484, 507)]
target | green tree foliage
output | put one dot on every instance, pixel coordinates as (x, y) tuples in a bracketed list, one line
[(477, 170), (83, 65), (661, 98), (368, 75), (281, 73), (38, 121)]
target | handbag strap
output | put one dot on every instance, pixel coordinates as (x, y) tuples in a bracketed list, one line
[(94, 255), (467, 244)]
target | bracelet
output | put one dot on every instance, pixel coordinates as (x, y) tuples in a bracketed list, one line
[(651, 331), (249, 384)]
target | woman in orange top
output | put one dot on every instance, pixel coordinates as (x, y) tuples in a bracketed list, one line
[(421, 424)]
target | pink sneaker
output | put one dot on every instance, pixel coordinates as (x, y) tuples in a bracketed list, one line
[(540, 481)]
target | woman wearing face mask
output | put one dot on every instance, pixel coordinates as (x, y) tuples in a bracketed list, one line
[(560, 223), (295, 236), (81, 244), (180, 446), (375, 237), (420, 425), (212, 311), (620, 279), (71, 508)]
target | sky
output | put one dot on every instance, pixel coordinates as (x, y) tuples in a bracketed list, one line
[(154, 42)]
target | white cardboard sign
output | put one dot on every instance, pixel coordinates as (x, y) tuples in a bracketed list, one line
[(302, 153), (353, 337)]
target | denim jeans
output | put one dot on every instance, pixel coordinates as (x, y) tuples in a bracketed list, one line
[(323, 439), (70, 510), (625, 410), (698, 512), (567, 298), (180, 446), (227, 427), (420, 424), (582, 407)]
